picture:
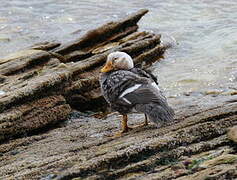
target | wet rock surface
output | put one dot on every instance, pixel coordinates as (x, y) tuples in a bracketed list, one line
[(195, 146)]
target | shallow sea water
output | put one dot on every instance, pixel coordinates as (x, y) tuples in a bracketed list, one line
[(204, 34)]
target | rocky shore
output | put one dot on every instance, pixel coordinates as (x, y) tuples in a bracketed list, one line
[(44, 134)]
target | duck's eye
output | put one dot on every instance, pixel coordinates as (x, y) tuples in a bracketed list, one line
[(113, 59)]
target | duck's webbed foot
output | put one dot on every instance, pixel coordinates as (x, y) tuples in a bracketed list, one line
[(125, 127)]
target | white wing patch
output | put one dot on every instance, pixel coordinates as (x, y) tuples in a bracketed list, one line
[(129, 90), (155, 86), (127, 101)]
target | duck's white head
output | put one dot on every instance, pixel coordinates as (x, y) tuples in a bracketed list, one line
[(118, 60)]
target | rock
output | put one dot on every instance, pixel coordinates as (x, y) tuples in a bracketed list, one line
[(83, 149), (231, 92), (21, 58), (216, 172), (232, 134), (32, 116), (2, 78), (223, 159), (213, 92)]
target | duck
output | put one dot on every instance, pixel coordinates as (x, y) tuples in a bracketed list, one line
[(129, 89)]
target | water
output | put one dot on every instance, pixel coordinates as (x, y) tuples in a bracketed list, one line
[(204, 31)]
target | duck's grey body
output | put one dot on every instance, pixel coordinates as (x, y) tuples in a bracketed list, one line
[(135, 89)]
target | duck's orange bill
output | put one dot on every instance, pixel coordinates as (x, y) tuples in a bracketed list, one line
[(108, 67)]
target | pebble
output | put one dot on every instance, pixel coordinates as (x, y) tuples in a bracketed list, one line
[(213, 92), (232, 134)]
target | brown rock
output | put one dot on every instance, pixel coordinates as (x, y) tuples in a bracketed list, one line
[(232, 134), (32, 116), (82, 149), (223, 159)]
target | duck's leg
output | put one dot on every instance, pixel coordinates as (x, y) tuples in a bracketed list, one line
[(146, 121), (124, 125)]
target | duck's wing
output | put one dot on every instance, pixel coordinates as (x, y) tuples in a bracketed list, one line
[(121, 81), (143, 94), (149, 100), (115, 84), (144, 73)]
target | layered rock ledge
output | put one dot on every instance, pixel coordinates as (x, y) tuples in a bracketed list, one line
[(40, 85)]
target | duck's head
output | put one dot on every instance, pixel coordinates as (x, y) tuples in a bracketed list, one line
[(118, 61)]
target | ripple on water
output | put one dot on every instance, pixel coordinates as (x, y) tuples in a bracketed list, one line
[(204, 33)]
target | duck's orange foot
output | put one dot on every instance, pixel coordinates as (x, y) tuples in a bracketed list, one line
[(122, 132), (140, 125)]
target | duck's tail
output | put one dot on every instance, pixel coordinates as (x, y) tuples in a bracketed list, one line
[(158, 114), (161, 115)]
